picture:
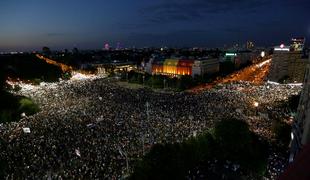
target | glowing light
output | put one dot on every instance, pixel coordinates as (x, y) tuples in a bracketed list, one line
[(23, 114), (79, 76), (295, 84), (106, 46), (272, 82), (282, 49), (263, 63), (255, 104), (231, 54), (282, 46), (292, 135), (77, 152), (262, 54), (63, 67), (26, 130)]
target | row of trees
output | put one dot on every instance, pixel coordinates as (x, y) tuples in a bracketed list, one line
[(161, 81), (3, 165), (12, 106), (230, 140), (29, 67)]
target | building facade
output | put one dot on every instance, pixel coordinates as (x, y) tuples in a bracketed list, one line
[(288, 65), (239, 58), (210, 66), (301, 127), (176, 67)]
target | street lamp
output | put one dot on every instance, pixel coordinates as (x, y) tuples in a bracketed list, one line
[(190, 123), (255, 104), (164, 83), (143, 79), (124, 154)]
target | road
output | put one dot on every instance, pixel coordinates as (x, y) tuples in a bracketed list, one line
[(255, 74)]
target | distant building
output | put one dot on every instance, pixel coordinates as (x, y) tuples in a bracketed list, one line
[(75, 50), (239, 58), (175, 67), (249, 45), (288, 64), (106, 46), (208, 66), (298, 44)]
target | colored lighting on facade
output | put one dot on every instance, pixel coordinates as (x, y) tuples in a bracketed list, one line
[(173, 67)]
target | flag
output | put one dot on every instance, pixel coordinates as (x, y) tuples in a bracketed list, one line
[(77, 152), (26, 130)]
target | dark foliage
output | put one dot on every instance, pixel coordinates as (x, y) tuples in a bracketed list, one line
[(231, 141), (282, 132), (227, 67), (29, 67), (12, 106), (293, 102)]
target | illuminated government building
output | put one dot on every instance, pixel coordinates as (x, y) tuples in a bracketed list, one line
[(179, 67)]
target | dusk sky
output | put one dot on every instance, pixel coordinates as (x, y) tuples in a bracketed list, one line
[(59, 24)]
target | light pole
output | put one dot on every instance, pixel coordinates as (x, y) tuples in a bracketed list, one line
[(255, 106), (143, 77), (164, 83), (122, 153), (147, 110), (190, 123), (143, 126)]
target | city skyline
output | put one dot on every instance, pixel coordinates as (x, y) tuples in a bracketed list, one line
[(30, 25)]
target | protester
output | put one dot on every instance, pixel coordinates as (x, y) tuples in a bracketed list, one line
[(89, 129)]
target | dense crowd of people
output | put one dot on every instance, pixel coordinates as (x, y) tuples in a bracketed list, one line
[(95, 129)]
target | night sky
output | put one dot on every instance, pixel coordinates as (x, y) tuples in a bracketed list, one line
[(89, 24)]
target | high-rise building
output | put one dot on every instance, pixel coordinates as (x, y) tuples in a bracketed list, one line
[(106, 46), (301, 128), (298, 44), (249, 45), (288, 64)]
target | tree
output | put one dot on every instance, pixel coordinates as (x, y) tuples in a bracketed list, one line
[(185, 82), (233, 137), (3, 163), (231, 140), (237, 143), (227, 67), (282, 132), (2, 76), (3, 72), (172, 161)]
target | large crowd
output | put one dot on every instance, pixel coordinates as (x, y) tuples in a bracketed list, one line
[(96, 129)]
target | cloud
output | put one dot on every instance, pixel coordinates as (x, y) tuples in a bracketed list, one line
[(182, 10)]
